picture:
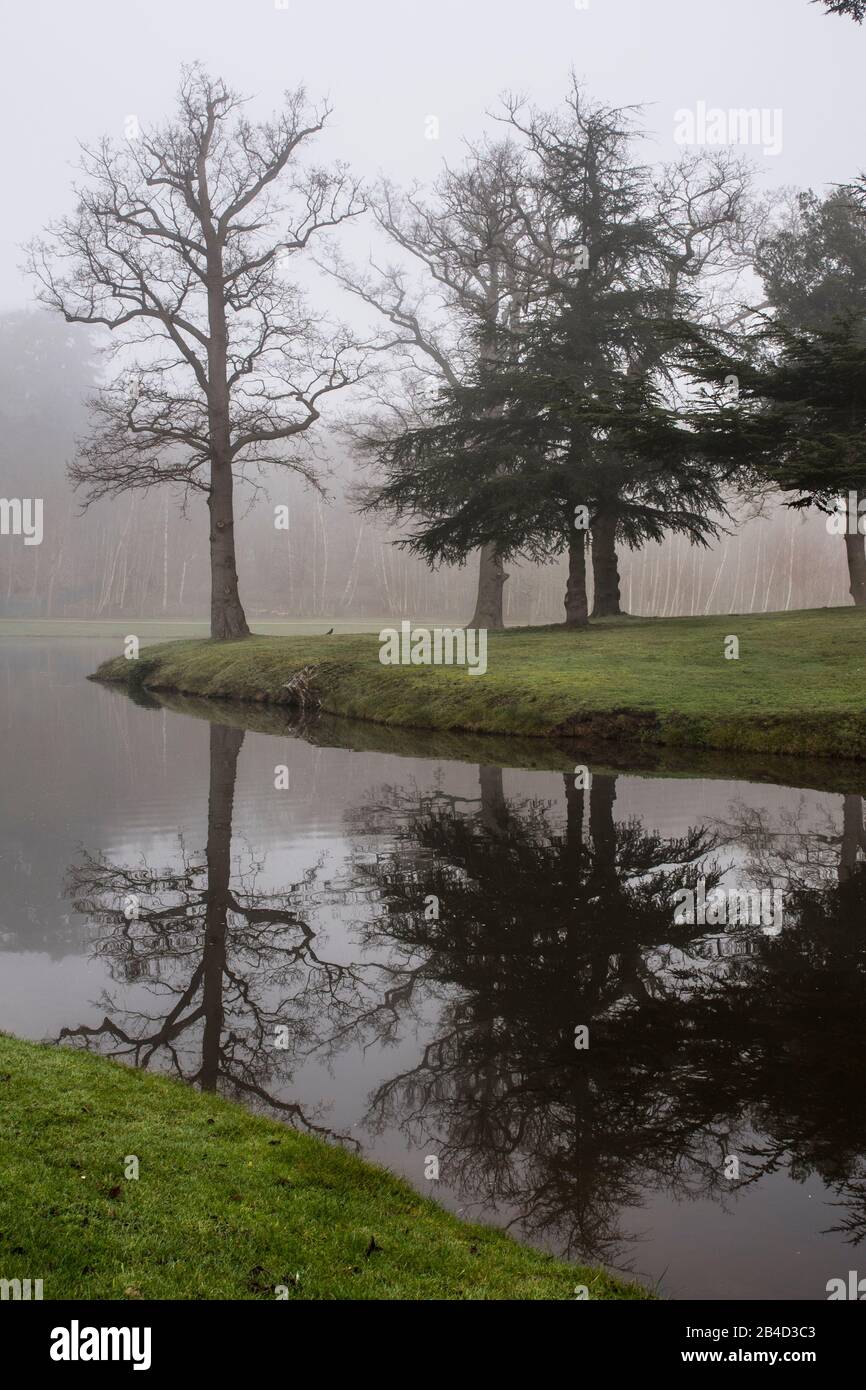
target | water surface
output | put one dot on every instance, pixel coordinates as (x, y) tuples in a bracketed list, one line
[(396, 948)]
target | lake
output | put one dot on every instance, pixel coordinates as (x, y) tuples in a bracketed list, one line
[(460, 956)]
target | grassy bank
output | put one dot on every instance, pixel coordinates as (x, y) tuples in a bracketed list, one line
[(227, 1204), (797, 687)]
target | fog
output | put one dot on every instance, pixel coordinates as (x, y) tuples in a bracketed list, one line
[(74, 74)]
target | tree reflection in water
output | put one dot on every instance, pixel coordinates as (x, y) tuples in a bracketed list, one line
[(227, 964), (544, 927), (702, 1043), (732, 1043)]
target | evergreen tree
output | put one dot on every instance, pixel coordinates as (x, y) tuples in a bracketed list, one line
[(855, 9), (799, 421), (564, 427)]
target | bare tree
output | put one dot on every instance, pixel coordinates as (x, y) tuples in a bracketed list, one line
[(479, 267), (174, 245)]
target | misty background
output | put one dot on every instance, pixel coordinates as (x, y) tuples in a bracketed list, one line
[(387, 68)]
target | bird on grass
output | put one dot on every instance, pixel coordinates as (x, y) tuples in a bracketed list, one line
[(328, 633)]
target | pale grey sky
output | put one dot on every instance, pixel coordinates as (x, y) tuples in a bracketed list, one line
[(71, 72)]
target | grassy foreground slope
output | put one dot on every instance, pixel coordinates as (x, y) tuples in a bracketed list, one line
[(798, 685), (227, 1204)]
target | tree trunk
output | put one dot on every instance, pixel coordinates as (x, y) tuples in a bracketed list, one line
[(856, 567), (605, 568), (574, 805), (576, 606), (491, 581), (225, 745), (493, 806), (227, 617), (602, 827), (853, 837)]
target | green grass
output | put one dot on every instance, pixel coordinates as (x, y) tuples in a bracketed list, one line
[(228, 1205), (797, 688)]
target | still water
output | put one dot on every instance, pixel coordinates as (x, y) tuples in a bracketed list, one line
[(391, 938)]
